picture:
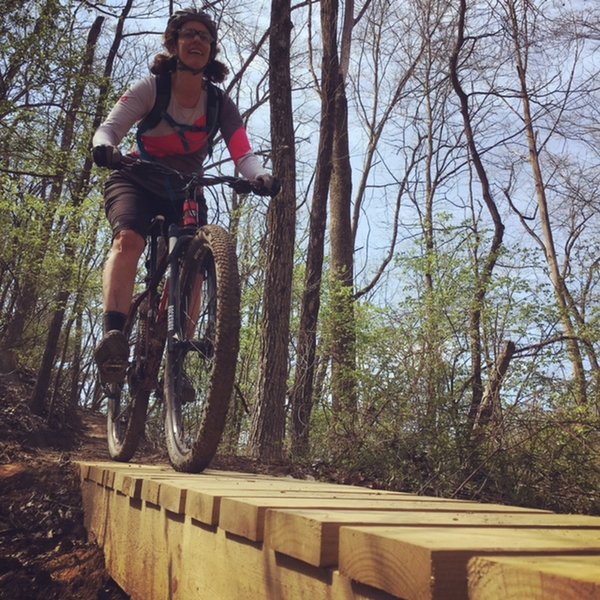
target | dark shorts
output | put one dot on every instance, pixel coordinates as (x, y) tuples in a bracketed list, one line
[(131, 202)]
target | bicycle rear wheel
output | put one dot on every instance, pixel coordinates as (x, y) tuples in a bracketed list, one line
[(128, 402), (200, 363)]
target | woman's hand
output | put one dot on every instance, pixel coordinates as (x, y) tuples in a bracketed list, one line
[(269, 183), (107, 156)]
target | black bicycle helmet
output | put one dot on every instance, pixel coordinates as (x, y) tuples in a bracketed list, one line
[(178, 18)]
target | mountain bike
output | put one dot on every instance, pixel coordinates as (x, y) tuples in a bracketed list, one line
[(183, 331)]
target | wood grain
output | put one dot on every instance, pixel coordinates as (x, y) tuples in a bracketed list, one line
[(431, 563), (535, 578)]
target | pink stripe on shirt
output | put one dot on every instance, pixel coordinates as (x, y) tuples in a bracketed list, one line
[(238, 144)]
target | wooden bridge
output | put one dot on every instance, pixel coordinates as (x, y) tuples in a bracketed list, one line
[(234, 536)]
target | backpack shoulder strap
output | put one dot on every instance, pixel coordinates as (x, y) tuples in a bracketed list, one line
[(213, 109), (161, 102)]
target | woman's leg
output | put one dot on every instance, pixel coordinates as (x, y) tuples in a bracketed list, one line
[(118, 280), (120, 269)]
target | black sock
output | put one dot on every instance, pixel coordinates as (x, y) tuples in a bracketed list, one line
[(114, 320)]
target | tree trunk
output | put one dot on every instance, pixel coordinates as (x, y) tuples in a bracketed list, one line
[(483, 272), (75, 390), (558, 282), (268, 424), (343, 335), (36, 402), (490, 404), (302, 392)]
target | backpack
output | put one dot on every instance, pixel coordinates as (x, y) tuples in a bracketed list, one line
[(159, 111)]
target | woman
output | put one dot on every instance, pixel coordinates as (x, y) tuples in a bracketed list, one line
[(179, 139)]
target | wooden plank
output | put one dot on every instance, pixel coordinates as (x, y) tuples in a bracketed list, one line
[(165, 471), (84, 469), (172, 497), (172, 493), (431, 563), (147, 519), (245, 516), (109, 478), (117, 466), (282, 484), (312, 535), (203, 504), (343, 588), (105, 473), (150, 490), (535, 578), (96, 474), (169, 489), (95, 521), (126, 482), (120, 471), (161, 485), (168, 492)]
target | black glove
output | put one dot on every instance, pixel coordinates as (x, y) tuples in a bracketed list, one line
[(270, 184), (107, 156)]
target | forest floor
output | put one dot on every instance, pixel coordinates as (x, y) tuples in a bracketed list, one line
[(44, 552)]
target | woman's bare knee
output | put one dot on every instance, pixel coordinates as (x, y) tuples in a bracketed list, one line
[(128, 242)]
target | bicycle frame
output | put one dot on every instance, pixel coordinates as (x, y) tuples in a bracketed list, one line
[(168, 303)]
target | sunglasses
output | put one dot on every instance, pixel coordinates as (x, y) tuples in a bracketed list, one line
[(189, 34)]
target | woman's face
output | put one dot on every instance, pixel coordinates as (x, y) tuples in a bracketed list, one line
[(194, 44)]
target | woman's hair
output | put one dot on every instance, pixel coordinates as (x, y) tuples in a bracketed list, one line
[(215, 71)]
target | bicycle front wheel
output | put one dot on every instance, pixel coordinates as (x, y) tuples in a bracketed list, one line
[(202, 354)]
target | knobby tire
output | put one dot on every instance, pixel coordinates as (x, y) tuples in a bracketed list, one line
[(207, 357)]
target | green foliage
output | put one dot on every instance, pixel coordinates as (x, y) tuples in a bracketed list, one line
[(411, 431), (49, 220), (543, 459)]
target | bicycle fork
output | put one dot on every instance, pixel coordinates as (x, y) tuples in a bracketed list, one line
[(178, 236)]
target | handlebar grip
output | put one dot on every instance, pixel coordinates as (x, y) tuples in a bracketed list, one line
[(245, 186)]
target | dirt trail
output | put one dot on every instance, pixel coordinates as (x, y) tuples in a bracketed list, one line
[(44, 551)]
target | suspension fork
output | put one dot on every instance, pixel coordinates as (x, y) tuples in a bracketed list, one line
[(178, 238)]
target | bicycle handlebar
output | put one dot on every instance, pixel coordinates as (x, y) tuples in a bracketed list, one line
[(192, 180)]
